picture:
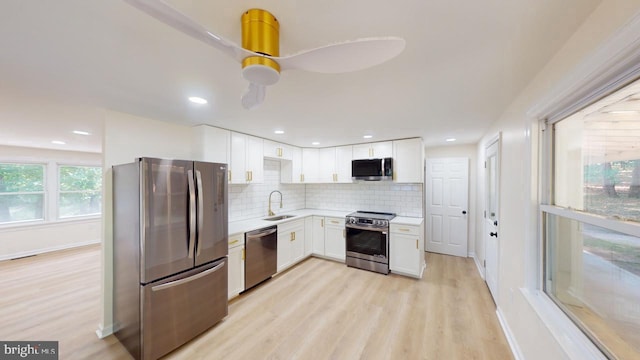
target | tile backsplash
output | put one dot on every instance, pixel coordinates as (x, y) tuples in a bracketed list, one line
[(251, 201), (402, 199)]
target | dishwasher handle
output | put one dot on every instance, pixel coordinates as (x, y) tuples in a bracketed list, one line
[(253, 235)]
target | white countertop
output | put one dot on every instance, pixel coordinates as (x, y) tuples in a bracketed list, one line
[(259, 223), (405, 220), (241, 226)]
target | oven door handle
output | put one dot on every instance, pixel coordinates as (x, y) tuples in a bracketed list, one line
[(351, 226)]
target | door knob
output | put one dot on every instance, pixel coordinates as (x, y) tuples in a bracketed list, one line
[(493, 234), (464, 212)]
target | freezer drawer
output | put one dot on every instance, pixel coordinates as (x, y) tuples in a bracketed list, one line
[(178, 308)]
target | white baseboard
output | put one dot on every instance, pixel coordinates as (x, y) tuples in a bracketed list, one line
[(513, 344), (479, 266), (47, 249), (103, 332)]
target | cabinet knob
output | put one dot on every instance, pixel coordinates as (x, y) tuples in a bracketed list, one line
[(493, 234), (464, 212)]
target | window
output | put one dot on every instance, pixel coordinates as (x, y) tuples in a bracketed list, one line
[(79, 191), (591, 221), (22, 192)]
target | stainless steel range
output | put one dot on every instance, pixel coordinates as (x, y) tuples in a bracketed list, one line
[(368, 240)]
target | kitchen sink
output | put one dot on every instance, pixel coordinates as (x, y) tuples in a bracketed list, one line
[(279, 217)]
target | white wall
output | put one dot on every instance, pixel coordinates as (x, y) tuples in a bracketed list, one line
[(518, 201), (126, 137), (470, 152), (50, 234)]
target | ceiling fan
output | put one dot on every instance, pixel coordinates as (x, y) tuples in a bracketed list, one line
[(260, 50)]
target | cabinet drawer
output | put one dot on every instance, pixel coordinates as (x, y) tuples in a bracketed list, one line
[(405, 229), (334, 222), (236, 240)]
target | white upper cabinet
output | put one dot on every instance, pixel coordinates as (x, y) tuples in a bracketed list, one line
[(310, 168), (291, 171), (211, 144), (274, 150), (408, 161), (375, 150), (327, 165), (247, 162), (344, 155)]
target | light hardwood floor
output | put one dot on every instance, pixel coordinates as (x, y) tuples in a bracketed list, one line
[(317, 310)]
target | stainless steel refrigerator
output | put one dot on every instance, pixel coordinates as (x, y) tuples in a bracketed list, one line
[(170, 247)]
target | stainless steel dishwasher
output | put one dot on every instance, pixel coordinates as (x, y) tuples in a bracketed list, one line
[(261, 251)]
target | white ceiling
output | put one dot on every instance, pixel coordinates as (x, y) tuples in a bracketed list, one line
[(465, 61)]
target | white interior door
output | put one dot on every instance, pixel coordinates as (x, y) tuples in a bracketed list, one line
[(492, 172), (447, 205)]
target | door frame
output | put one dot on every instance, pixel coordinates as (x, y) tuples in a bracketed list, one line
[(496, 139), (466, 209)]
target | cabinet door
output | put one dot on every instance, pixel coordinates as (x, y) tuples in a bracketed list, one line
[(284, 248), (334, 241), (236, 271), (382, 149), (238, 164), (297, 244), (272, 149), (404, 251), (344, 155), (211, 144), (255, 159), (327, 165), (408, 161), (318, 235), (308, 235), (310, 171), (361, 151), (291, 170)]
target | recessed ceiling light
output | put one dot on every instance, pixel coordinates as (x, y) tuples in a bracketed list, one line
[(197, 100), (58, 142), (279, 132), (315, 143), (367, 136), (80, 132), (450, 139)]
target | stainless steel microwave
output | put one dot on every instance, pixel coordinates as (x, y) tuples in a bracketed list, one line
[(372, 169)]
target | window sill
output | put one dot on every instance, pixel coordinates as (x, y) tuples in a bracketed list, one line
[(42, 224), (570, 338)]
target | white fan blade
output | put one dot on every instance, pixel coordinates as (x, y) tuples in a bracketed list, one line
[(254, 95), (174, 18), (344, 57)]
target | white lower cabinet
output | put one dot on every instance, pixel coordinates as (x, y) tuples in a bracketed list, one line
[(318, 235), (334, 239), (308, 236), (290, 243), (406, 250), (236, 265)]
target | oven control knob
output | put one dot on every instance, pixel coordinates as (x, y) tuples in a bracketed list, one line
[(351, 220)]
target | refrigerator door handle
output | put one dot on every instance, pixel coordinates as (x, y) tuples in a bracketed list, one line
[(188, 279), (192, 214), (200, 208)]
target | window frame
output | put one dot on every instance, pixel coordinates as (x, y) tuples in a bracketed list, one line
[(58, 192), (546, 205), (45, 194)]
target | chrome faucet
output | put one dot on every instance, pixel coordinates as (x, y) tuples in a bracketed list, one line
[(271, 213)]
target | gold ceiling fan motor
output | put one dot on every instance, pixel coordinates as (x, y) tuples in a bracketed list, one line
[(260, 34)]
